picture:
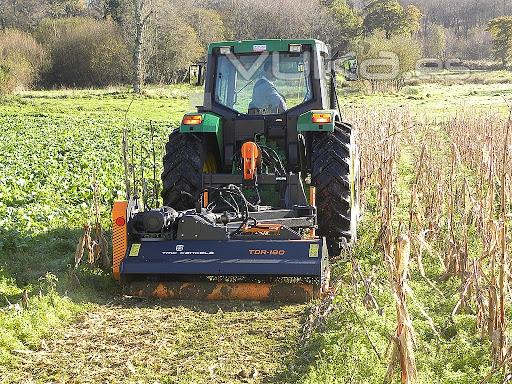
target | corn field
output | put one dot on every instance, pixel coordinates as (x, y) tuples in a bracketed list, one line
[(442, 191)]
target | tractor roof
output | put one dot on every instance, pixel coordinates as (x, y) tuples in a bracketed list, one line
[(268, 45)]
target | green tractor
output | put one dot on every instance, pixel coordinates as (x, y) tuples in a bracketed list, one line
[(260, 185), (270, 124)]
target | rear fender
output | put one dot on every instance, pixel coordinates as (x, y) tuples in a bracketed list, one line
[(306, 124), (210, 124)]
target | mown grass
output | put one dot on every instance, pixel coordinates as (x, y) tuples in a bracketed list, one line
[(169, 342)]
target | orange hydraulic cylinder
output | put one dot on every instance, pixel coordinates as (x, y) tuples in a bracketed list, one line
[(251, 156), (119, 236)]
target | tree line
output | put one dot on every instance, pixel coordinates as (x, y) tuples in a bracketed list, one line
[(100, 42)]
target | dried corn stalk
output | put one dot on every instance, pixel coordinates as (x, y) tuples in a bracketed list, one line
[(94, 240)]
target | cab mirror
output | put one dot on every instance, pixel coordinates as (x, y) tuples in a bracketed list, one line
[(196, 74)]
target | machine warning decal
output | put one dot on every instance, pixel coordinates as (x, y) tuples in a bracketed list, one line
[(259, 47), (313, 250), (134, 250)]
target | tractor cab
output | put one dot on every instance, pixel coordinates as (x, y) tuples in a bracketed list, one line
[(266, 77), (263, 84)]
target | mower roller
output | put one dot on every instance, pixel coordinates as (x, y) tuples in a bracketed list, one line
[(260, 185)]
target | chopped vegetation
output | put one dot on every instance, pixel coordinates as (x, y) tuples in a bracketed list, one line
[(178, 342)]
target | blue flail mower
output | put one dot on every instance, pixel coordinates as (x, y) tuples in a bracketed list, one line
[(249, 265), (299, 258), (191, 270)]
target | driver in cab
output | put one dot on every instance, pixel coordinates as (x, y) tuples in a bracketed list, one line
[(265, 96)]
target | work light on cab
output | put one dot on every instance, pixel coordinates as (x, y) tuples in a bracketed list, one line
[(225, 50), (295, 48)]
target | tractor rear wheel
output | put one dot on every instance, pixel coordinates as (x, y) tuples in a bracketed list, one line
[(182, 178), (335, 174)]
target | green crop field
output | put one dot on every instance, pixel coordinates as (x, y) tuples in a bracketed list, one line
[(78, 328), (53, 144)]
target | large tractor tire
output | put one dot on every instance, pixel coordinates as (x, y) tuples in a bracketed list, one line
[(182, 178), (335, 174)]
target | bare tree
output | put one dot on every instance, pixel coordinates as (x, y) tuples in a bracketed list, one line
[(21, 14), (142, 11)]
